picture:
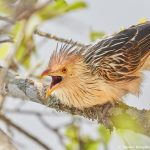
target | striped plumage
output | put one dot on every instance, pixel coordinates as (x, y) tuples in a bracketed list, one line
[(116, 58), (101, 72)]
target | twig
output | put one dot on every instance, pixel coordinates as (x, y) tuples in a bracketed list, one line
[(21, 130), (9, 60), (55, 130), (119, 116), (28, 112), (37, 8), (6, 41), (26, 13), (7, 19), (5, 142), (56, 38)]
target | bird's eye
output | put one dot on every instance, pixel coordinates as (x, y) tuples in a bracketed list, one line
[(64, 70)]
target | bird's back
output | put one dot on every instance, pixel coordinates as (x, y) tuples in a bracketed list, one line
[(119, 57)]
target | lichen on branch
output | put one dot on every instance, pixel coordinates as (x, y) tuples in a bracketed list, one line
[(118, 115)]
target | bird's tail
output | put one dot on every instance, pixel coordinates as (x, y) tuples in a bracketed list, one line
[(142, 38)]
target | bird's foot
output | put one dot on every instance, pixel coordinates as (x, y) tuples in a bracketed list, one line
[(103, 116)]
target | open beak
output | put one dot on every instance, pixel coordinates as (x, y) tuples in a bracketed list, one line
[(45, 73), (48, 92), (54, 83)]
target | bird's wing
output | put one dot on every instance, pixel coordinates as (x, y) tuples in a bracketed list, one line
[(117, 58)]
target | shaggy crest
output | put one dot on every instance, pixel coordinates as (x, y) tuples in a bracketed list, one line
[(63, 53)]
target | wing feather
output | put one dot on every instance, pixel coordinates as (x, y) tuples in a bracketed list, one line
[(118, 57)]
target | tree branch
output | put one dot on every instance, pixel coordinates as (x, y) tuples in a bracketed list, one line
[(59, 39), (26, 133), (119, 116), (5, 142), (6, 41)]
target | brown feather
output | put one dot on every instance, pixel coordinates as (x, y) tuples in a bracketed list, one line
[(104, 71)]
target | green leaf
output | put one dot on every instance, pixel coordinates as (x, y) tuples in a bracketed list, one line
[(90, 144), (26, 46), (61, 1), (104, 133), (4, 9), (72, 132), (4, 48), (59, 8), (75, 139), (142, 20), (16, 30), (96, 35), (125, 121), (76, 5), (71, 146), (52, 10), (25, 51), (93, 146), (33, 21), (26, 62)]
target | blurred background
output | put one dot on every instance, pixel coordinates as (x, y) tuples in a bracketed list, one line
[(21, 50)]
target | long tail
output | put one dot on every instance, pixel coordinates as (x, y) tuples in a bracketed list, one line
[(143, 39)]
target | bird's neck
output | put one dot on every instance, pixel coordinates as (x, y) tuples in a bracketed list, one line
[(85, 91)]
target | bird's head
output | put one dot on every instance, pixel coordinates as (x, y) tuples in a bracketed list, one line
[(72, 81), (62, 67)]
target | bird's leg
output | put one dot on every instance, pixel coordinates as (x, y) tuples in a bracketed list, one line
[(103, 115)]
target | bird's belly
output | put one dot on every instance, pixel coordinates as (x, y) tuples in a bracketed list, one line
[(90, 98), (93, 95)]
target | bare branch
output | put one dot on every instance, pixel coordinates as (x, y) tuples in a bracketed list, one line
[(56, 38), (5, 142), (6, 41), (50, 128), (119, 116), (23, 131), (7, 19), (28, 112)]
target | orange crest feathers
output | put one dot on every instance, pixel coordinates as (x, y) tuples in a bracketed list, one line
[(63, 54)]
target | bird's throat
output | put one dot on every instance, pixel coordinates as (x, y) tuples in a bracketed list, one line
[(55, 80)]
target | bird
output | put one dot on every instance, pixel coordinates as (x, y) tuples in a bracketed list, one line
[(101, 72)]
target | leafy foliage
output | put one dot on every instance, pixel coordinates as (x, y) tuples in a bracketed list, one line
[(4, 50), (104, 133), (24, 17), (85, 142), (94, 35), (59, 8), (72, 132)]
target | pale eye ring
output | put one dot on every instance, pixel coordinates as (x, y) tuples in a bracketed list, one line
[(64, 70)]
